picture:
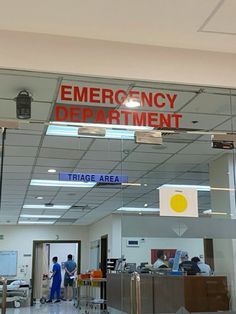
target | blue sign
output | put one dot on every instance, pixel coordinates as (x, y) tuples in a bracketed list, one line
[(92, 177)]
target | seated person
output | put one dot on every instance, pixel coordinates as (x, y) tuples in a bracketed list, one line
[(188, 266), (159, 263), (205, 269)]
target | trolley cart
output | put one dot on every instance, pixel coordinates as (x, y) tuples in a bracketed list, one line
[(45, 290), (87, 294), (81, 293)]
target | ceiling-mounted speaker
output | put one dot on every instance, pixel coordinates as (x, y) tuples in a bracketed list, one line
[(148, 137), (23, 105), (91, 131)]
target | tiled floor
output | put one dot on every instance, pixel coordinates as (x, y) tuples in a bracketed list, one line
[(59, 308), (68, 308)]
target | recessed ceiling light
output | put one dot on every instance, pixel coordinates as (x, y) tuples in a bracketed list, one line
[(62, 183), (145, 184), (39, 197), (132, 103), (145, 205), (52, 170)]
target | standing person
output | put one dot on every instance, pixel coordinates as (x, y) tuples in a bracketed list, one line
[(56, 281), (70, 269)]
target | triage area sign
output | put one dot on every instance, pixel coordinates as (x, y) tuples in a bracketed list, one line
[(80, 102), (92, 177)]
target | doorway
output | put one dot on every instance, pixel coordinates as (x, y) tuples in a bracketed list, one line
[(104, 246), (43, 251)]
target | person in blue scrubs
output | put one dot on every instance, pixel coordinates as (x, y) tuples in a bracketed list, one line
[(56, 281)]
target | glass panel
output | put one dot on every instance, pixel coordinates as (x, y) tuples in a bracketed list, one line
[(154, 229), (177, 203)]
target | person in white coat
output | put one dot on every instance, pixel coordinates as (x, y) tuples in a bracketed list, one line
[(204, 268), (159, 263)]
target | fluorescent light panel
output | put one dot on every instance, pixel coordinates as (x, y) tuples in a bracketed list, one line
[(39, 216), (138, 210), (47, 207), (112, 131), (130, 184), (210, 212), (182, 186), (36, 222), (205, 188), (102, 125), (52, 170), (62, 183)]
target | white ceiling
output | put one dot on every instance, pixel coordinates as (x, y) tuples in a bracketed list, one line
[(29, 153), (194, 24)]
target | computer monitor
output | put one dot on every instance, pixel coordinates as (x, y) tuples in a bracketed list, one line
[(119, 264), (130, 267), (143, 264)]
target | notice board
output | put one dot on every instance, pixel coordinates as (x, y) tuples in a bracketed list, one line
[(8, 263)]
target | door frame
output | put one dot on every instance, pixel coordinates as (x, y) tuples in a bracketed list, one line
[(36, 242)]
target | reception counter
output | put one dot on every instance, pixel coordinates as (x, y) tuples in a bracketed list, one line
[(167, 294)]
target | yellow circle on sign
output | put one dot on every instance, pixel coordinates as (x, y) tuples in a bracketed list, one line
[(178, 203)]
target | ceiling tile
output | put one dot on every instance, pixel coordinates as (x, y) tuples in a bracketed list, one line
[(64, 142)]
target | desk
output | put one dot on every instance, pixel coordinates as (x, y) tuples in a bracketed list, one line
[(167, 294)]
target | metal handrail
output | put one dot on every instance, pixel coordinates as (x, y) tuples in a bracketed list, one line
[(4, 294), (135, 293)]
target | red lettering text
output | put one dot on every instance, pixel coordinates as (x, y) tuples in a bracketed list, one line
[(157, 104), (107, 94), (100, 116), (66, 90), (139, 119), (171, 99), (94, 95), (61, 113), (87, 113), (113, 115), (81, 96)]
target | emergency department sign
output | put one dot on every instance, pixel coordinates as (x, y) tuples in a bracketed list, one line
[(178, 202)]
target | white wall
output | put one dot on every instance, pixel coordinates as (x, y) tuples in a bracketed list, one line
[(42, 52), (194, 247), (116, 236), (20, 238), (110, 225), (100, 228)]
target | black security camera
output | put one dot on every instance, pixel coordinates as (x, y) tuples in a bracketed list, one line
[(23, 105)]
